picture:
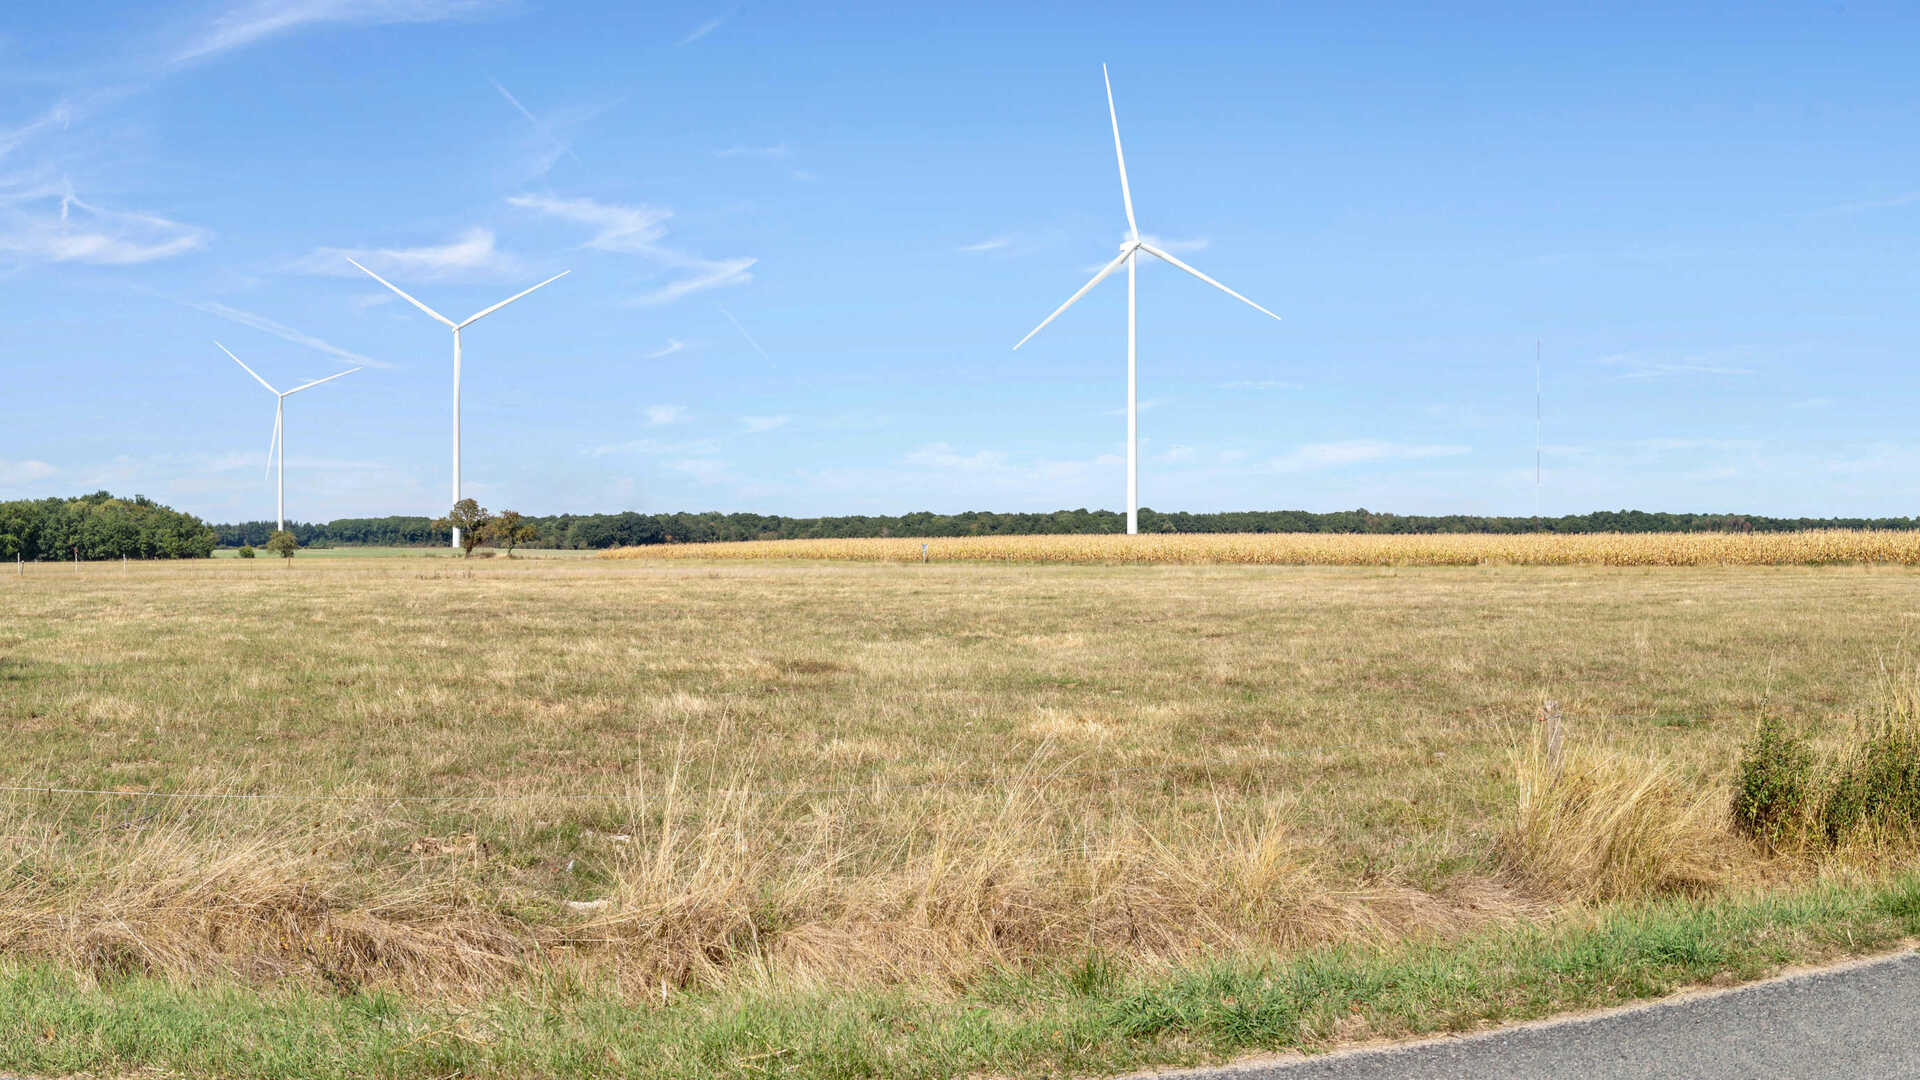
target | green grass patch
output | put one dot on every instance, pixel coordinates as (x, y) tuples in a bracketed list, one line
[(1086, 1017)]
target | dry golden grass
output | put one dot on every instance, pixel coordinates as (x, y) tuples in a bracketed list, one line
[(1816, 548), (682, 775), (1591, 822)]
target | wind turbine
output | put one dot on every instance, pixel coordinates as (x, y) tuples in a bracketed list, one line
[(1129, 253), (279, 425), (456, 327)]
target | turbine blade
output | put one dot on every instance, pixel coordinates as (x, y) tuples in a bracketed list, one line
[(471, 319), (273, 442), (402, 295), (248, 370), (1156, 251), (317, 382), (1126, 194), (1084, 289)]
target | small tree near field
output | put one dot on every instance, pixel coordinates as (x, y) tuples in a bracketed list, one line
[(245, 552), (510, 529), (472, 520), (283, 544)]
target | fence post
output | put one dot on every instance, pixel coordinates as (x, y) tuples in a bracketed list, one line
[(1550, 716)]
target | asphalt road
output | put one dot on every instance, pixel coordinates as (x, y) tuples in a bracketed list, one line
[(1860, 1021)]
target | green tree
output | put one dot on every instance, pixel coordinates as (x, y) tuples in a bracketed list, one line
[(472, 520), (511, 529), (245, 552), (283, 544)]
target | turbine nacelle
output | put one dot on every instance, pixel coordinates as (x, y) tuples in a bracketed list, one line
[(1130, 249), (279, 411), (456, 327)]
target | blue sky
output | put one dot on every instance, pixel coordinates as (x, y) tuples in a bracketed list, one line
[(802, 245)]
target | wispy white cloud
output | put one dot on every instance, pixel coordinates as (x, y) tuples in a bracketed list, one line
[(707, 274), (657, 448), (1177, 247), (1907, 198), (638, 230), (703, 30), (473, 254), (635, 230), (758, 424), (552, 146), (744, 334), (706, 470), (56, 117), (996, 243), (777, 150), (672, 346), (1643, 365), (1259, 384), (287, 333), (256, 21), (50, 224), (1331, 455), (22, 473), (661, 415)]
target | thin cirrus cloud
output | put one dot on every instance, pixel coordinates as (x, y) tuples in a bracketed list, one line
[(551, 144), (473, 254), (1332, 455), (758, 424), (996, 243), (260, 20), (662, 415), (639, 230), (672, 346), (1177, 247), (1907, 198), (286, 333), (1640, 365), (777, 150), (703, 30), (56, 117), (21, 473), (51, 224)]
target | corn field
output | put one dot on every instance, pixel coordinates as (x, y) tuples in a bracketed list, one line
[(1334, 549)]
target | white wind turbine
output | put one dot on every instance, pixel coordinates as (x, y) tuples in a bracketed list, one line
[(279, 427), (1129, 251), (456, 327)]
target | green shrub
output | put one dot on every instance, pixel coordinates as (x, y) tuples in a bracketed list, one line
[(1774, 788), (245, 552), (1870, 788), (1877, 786)]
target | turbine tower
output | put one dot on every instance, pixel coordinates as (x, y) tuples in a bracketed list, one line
[(1129, 253), (279, 424), (456, 327)]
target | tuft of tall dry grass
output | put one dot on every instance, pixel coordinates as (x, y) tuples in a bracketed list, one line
[(698, 893), (1819, 547), (1593, 822)]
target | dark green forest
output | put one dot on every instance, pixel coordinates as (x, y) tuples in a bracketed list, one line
[(101, 526), (616, 530)]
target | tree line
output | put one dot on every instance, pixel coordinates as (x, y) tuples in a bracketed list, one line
[(630, 528), (101, 526)]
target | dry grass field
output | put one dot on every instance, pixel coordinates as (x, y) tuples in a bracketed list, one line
[(1813, 548), (668, 783)]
